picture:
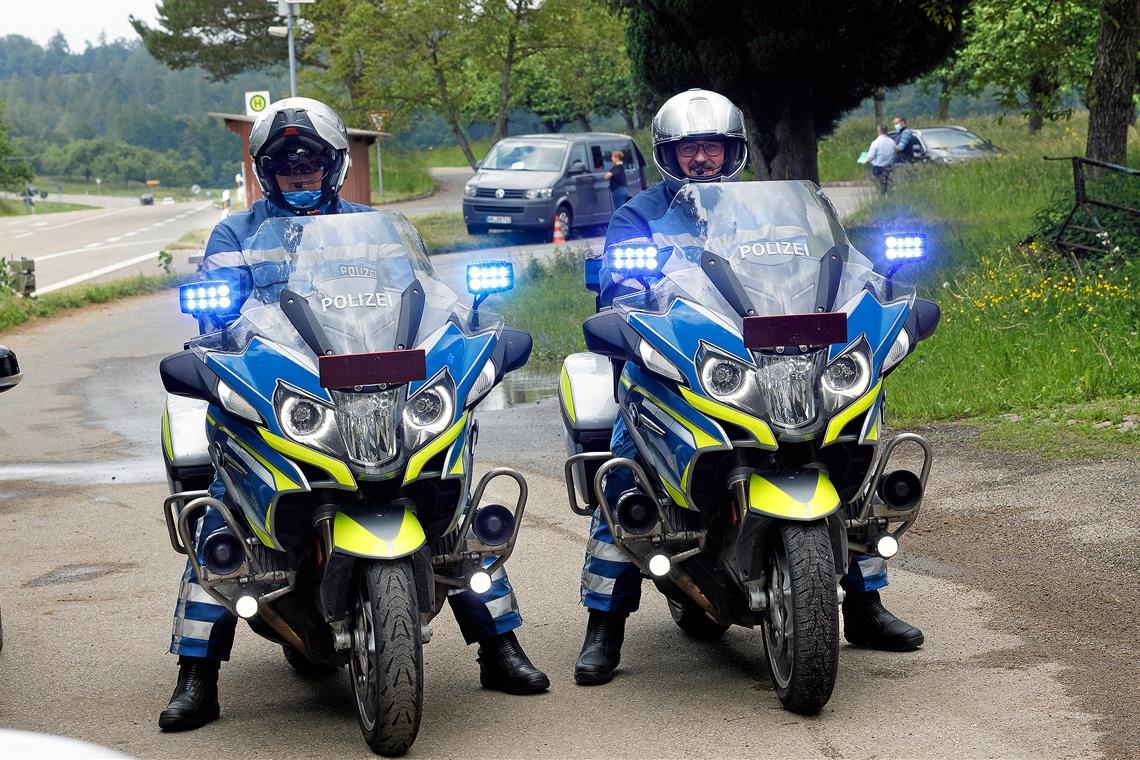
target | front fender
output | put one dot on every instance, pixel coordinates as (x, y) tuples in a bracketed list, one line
[(793, 495), (378, 532)]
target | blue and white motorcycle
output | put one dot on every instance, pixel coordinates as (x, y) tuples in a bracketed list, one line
[(746, 345), (338, 409)]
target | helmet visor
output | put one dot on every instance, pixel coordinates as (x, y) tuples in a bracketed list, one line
[(297, 157)]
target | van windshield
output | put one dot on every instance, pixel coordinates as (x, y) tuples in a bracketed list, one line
[(526, 157)]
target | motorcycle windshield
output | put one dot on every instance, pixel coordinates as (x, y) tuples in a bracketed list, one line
[(355, 271), (773, 237)]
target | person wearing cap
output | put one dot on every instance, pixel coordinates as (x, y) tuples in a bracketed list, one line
[(299, 148), (698, 136)]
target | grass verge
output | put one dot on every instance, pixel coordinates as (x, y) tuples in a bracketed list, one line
[(550, 302), (17, 208), (445, 232), (15, 310)]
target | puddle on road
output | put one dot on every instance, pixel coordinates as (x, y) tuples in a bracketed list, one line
[(74, 574), (523, 387)]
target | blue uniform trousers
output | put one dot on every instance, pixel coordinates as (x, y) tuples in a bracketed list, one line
[(611, 583), (205, 628)]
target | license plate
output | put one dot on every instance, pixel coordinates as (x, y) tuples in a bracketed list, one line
[(498, 220)]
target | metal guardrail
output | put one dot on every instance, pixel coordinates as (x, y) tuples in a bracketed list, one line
[(1064, 239)]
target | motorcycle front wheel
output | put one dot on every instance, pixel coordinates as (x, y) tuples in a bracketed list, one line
[(801, 629), (386, 666)]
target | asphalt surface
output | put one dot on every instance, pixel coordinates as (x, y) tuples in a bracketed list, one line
[(1027, 596)]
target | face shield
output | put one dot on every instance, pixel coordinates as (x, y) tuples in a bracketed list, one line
[(300, 167)]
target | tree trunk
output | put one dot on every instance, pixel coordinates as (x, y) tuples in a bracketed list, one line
[(501, 119), (1113, 81), (944, 100), (879, 98), (449, 111), (629, 125), (1042, 92), (786, 150), (584, 123)]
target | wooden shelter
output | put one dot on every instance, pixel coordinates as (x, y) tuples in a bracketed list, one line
[(357, 186)]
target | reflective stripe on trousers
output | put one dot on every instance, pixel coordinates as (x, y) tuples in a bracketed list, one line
[(865, 574)]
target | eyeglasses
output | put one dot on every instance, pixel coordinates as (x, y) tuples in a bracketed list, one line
[(711, 149)]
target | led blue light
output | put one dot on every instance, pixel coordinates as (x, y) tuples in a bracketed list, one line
[(633, 259), (905, 245), (204, 298), (489, 277)]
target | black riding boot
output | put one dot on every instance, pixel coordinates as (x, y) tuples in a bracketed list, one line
[(195, 699), (504, 666), (601, 651), (867, 623)]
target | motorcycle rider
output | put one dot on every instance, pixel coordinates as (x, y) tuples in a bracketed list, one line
[(300, 156), (698, 136)]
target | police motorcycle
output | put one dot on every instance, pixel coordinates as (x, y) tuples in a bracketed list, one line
[(338, 409), (10, 377), (747, 359)]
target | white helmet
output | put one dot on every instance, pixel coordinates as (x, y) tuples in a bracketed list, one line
[(698, 114), (299, 136)]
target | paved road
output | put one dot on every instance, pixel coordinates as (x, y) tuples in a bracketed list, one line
[(80, 246), (87, 582)]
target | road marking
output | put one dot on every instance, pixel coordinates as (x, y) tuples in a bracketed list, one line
[(97, 273), (132, 233), (93, 245), (24, 235), (40, 224), (88, 249), (92, 218), (113, 240)]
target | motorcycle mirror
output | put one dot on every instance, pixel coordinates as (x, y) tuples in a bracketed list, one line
[(10, 374), (926, 316)]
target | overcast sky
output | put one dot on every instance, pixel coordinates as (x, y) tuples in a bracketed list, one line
[(79, 20)]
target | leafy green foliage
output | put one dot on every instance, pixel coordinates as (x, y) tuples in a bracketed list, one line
[(550, 302), (14, 171)]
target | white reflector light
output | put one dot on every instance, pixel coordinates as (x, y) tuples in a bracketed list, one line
[(480, 582), (887, 546), (659, 565), (246, 606)]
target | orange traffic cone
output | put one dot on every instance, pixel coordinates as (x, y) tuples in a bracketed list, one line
[(559, 237)]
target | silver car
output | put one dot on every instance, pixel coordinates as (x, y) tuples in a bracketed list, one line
[(524, 182)]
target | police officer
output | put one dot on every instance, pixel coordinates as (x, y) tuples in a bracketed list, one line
[(300, 156), (698, 136)]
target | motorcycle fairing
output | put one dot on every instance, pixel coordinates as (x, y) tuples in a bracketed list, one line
[(377, 532), (793, 495), (267, 474), (687, 434), (421, 457)]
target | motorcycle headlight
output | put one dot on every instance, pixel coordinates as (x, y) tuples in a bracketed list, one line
[(545, 192), (724, 378), (307, 421), (470, 191), (847, 378), (787, 386), (429, 411), (368, 424)]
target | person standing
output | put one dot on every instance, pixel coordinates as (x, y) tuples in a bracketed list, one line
[(881, 155), (904, 140), (619, 190)]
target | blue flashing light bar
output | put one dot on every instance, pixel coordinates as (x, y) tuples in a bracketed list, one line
[(488, 277), (633, 258), (199, 299), (905, 245)]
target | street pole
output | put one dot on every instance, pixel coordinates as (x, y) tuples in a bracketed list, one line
[(379, 169), (292, 57)]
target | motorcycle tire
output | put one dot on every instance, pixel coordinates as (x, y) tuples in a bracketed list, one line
[(387, 677), (692, 620), (801, 628), (306, 667)]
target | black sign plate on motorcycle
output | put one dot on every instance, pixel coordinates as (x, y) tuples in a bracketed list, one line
[(795, 330), (382, 368)]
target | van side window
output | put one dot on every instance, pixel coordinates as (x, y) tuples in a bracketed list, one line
[(630, 159), (599, 160), (579, 154)]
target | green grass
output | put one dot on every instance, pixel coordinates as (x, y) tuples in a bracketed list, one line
[(445, 232), (405, 176), (15, 310), (550, 302), (17, 208), (448, 155), (1086, 431)]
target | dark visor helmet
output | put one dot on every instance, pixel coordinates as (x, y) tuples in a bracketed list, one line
[(698, 115), (299, 136)]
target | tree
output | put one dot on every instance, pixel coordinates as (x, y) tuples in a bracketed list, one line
[(1114, 81), (14, 170), (224, 37), (1032, 52), (793, 68)]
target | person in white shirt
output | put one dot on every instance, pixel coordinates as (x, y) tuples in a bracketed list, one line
[(880, 156)]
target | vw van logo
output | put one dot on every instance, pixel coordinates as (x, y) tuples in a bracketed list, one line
[(500, 193)]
